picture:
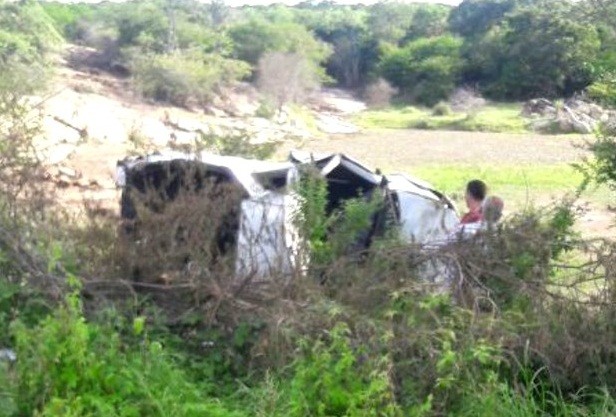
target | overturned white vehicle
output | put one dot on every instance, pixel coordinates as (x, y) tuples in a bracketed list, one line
[(259, 227)]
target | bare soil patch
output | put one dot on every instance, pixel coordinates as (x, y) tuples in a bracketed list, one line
[(403, 149)]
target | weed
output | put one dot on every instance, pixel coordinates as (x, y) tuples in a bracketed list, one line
[(334, 379)]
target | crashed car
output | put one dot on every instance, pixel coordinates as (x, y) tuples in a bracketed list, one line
[(421, 213), (260, 229)]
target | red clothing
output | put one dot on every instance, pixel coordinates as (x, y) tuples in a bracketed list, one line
[(472, 217)]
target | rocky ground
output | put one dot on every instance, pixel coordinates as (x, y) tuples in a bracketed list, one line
[(574, 115), (91, 120)]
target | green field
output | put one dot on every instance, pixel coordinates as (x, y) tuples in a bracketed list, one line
[(501, 117), (518, 184)]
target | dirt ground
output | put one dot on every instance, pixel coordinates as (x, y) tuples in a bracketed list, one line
[(402, 149)]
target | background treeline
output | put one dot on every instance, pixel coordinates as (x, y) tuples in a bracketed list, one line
[(506, 49)]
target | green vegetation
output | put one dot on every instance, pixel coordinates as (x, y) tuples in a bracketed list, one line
[(424, 70), (182, 78), (254, 38), (26, 36), (537, 178), (490, 118), (103, 325), (600, 168), (505, 49), (522, 183), (68, 367)]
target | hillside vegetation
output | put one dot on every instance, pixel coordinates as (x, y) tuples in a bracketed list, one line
[(517, 322), (180, 51)]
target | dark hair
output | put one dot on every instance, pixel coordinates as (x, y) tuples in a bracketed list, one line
[(477, 189)]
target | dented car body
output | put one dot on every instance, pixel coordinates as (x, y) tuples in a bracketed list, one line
[(259, 226)]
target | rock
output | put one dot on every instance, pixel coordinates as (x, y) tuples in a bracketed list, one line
[(596, 111), (338, 101), (68, 172), (574, 116), (282, 117), (214, 111), (539, 107), (579, 123), (543, 125)]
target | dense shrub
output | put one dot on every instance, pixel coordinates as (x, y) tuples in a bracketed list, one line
[(69, 18), (601, 166), (441, 109), (184, 78), (603, 90), (379, 94), (254, 38), (425, 71), (68, 367), (27, 35), (333, 378)]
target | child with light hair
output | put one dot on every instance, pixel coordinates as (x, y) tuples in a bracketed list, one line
[(492, 209)]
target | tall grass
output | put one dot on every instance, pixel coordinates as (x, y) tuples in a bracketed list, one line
[(503, 400)]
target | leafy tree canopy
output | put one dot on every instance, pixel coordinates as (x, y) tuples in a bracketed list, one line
[(424, 70)]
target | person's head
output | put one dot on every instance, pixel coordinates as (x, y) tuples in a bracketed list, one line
[(492, 209), (476, 191)]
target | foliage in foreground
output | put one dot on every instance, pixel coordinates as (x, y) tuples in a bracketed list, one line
[(362, 335), (526, 330), (68, 367), (370, 340)]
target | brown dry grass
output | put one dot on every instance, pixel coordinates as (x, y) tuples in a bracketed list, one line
[(405, 149)]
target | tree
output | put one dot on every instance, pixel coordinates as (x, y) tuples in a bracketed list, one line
[(425, 71), (518, 49), (185, 77), (256, 37), (544, 53), (475, 17), (354, 55), (27, 35), (286, 77), (345, 29), (389, 22), (218, 13), (144, 25), (428, 21)]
